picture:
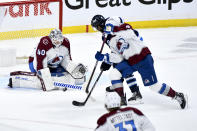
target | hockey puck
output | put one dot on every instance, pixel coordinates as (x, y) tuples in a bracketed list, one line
[(65, 89)]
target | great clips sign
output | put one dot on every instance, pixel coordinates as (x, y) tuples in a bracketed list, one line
[(78, 4)]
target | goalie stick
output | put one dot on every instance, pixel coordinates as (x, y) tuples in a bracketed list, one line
[(76, 103), (87, 87)]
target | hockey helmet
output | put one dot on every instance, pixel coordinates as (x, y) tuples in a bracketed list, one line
[(112, 100), (56, 37), (98, 22)]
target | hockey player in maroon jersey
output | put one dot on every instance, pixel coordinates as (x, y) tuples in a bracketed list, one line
[(53, 51), (122, 119), (51, 61), (124, 41)]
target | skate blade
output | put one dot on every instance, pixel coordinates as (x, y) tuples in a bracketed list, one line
[(135, 102)]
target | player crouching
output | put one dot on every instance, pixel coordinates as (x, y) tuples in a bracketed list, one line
[(51, 66)]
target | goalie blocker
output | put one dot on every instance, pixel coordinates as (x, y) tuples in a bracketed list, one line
[(73, 78)]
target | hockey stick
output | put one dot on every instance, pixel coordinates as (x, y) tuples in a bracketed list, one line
[(87, 87), (76, 103)]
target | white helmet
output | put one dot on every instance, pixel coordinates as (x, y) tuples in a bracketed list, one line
[(56, 37), (112, 100)]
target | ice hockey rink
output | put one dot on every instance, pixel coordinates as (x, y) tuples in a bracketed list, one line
[(174, 51)]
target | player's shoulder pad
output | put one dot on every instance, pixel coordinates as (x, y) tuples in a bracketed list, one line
[(45, 43), (66, 43), (104, 117), (132, 109), (124, 26)]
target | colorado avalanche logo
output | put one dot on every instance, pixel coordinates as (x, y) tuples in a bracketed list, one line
[(122, 45), (45, 42), (55, 61)]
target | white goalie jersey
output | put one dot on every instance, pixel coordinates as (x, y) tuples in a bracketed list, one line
[(49, 59)]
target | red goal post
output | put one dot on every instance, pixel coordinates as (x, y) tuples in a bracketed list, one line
[(22, 17)]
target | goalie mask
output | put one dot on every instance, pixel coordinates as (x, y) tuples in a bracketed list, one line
[(56, 37)]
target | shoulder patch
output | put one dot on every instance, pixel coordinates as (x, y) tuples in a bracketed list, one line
[(45, 43), (122, 27)]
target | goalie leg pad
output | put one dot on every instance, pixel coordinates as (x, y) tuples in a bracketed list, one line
[(46, 80), (24, 79), (67, 78), (68, 82)]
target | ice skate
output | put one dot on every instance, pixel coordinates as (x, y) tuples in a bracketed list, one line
[(136, 98), (123, 101), (182, 99), (10, 83)]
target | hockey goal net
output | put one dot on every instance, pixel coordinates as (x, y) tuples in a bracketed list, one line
[(30, 18)]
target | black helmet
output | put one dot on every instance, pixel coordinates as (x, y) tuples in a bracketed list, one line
[(98, 22)]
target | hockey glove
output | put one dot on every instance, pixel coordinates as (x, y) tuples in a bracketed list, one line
[(99, 56), (104, 66), (107, 38)]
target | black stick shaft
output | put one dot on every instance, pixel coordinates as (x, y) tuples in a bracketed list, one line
[(87, 87), (94, 86), (76, 103)]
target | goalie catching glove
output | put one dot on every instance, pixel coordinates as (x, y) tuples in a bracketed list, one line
[(77, 71)]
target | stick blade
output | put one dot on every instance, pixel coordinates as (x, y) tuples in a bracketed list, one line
[(76, 103)]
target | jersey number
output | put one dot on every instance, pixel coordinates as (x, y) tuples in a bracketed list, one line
[(121, 128), (41, 52)]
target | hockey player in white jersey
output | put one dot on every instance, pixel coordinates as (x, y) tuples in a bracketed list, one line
[(125, 41), (51, 61), (122, 119), (115, 75)]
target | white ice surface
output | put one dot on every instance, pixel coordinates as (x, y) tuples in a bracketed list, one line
[(175, 54)]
